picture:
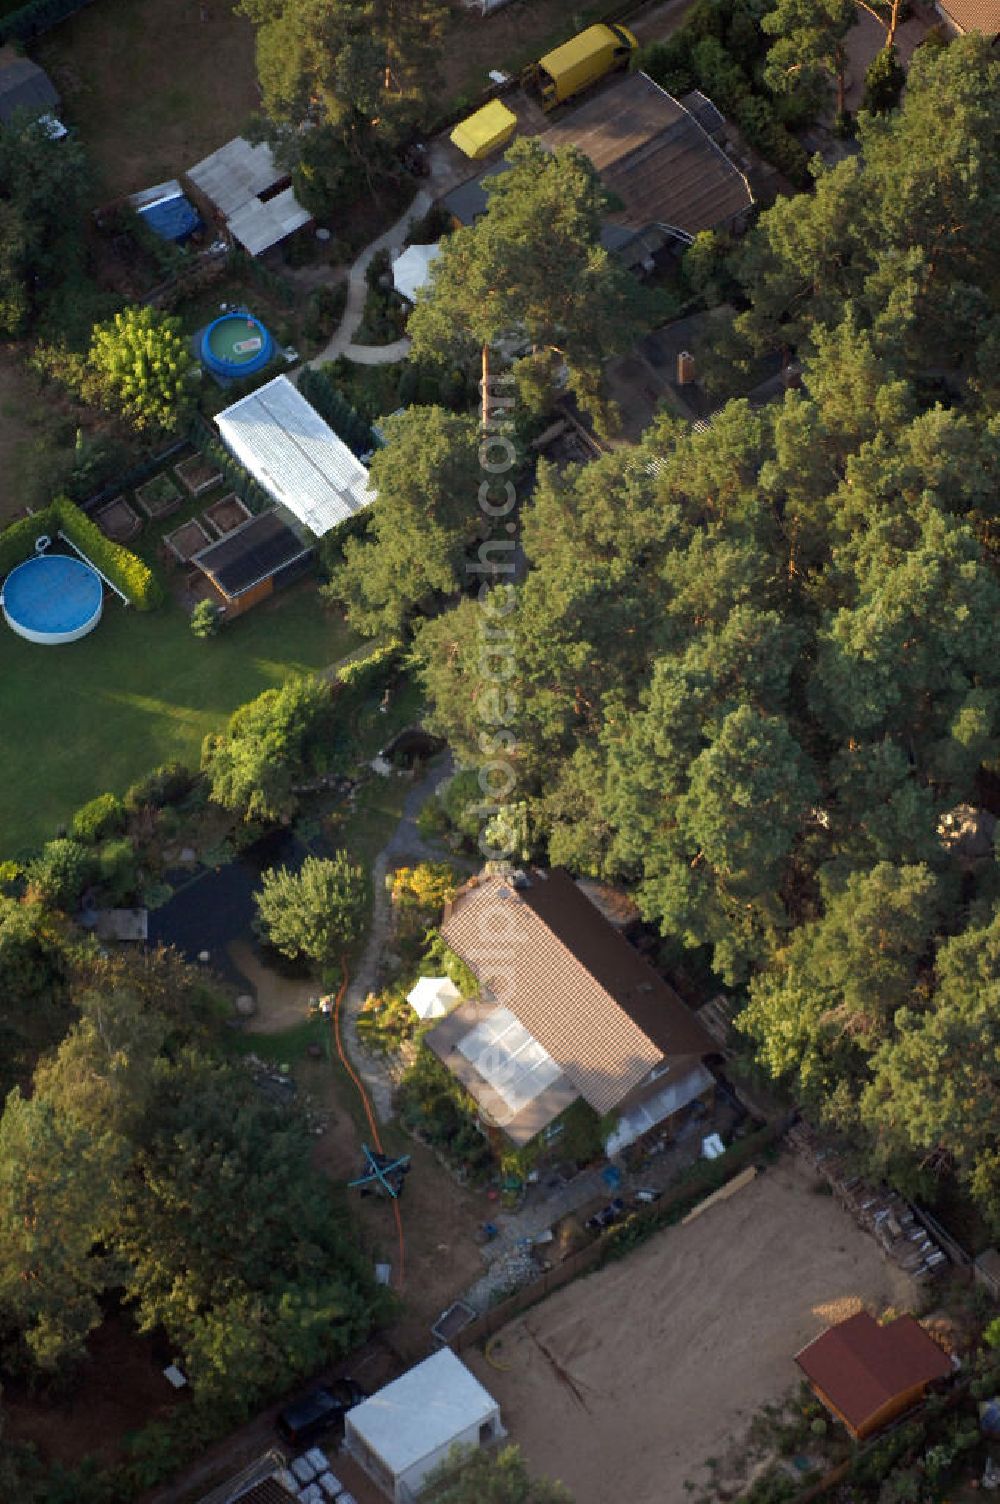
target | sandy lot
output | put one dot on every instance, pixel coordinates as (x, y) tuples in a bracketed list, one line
[(623, 1384)]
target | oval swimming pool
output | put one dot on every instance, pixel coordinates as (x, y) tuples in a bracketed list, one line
[(236, 344), (52, 599)]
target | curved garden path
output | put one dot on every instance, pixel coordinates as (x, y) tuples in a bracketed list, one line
[(405, 845), (342, 342)]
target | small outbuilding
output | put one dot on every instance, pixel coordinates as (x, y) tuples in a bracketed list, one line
[(26, 89), (295, 456), (166, 211), (433, 997), (253, 561), (408, 1429), (868, 1374)]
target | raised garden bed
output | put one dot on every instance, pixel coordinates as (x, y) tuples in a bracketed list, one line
[(159, 497), (118, 521), (226, 514), (187, 540), (198, 474)]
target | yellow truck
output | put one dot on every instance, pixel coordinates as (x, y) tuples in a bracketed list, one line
[(581, 61)]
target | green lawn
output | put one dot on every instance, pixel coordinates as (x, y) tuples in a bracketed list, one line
[(97, 714)]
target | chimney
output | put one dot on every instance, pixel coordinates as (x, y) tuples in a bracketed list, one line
[(685, 368)]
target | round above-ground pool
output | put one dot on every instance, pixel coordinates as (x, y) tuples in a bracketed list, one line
[(236, 344), (52, 598)]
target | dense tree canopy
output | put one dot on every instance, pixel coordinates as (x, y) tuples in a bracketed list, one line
[(532, 270), (44, 189), (754, 668)]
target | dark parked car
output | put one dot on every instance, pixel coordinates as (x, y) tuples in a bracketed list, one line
[(307, 1419)]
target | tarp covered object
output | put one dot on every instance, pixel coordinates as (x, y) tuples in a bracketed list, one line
[(411, 271), (485, 131), (433, 997), (172, 218)]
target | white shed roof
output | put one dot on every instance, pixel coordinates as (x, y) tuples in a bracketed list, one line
[(298, 459), (258, 224), (421, 1412), (235, 173)]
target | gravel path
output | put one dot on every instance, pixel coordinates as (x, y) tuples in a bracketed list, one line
[(342, 342), (404, 846)]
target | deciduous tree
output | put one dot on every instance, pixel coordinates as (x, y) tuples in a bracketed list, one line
[(317, 912)]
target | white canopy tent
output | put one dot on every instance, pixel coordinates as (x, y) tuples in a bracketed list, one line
[(433, 997), (408, 1428), (412, 270)]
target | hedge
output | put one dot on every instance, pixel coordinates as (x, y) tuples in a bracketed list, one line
[(21, 25), (125, 570), (17, 542), (334, 408)]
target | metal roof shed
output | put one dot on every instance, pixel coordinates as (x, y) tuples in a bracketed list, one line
[(408, 1428), (235, 173), (261, 223), (284, 443)]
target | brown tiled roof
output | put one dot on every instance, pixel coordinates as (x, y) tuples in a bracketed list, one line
[(973, 15), (652, 153), (861, 1366), (600, 1010)]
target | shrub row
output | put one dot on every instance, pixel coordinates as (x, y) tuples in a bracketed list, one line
[(36, 17), (246, 488), (17, 542), (335, 409), (720, 49), (123, 568)]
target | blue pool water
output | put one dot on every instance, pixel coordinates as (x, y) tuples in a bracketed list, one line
[(52, 598)]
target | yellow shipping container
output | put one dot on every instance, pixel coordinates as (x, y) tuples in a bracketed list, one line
[(485, 131), (583, 60)]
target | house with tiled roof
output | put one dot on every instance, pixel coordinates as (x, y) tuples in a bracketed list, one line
[(961, 16), (567, 1011)]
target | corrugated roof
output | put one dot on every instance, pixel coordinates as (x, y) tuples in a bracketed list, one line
[(973, 15), (236, 173), (298, 459), (24, 86), (652, 153), (252, 552), (422, 1411), (260, 223), (600, 1010), (861, 1366)]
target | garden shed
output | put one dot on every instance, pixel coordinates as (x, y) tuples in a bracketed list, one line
[(252, 192), (252, 561), (287, 447), (868, 1374), (25, 88), (167, 211), (406, 1430)]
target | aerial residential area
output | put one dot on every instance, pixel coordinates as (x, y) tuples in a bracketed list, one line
[(500, 745)]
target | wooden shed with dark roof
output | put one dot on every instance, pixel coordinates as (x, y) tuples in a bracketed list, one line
[(868, 1374), (252, 561)]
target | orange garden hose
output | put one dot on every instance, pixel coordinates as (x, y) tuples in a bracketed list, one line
[(372, 1121)]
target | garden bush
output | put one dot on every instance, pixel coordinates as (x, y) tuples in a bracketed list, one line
[(61, 871), (334, 408), (117, 870), (168, 784), (102, 816), (123, 568)]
